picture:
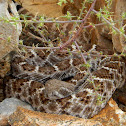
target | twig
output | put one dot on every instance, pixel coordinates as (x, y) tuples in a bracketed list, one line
[(37, 30), (41, 48), (80, 52), (31, 21), (116, 29), (35, 37), (74, 52)]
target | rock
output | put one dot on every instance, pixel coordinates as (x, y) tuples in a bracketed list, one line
[(111, 115), (31, 118), (9, 32), (39, 7), (9, 106), (118, 39), (8, 38)]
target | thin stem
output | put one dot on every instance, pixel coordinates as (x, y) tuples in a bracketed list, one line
[(38, 31), (116, 29), (35, 37), (41, 48), (74, 52), (80, 52), (31, 21)]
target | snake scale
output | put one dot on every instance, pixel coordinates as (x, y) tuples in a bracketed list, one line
[(59, 82)]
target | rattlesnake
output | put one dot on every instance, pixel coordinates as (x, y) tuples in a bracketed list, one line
[(60, 83), (82, 95)]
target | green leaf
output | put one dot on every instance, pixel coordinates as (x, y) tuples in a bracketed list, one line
[(61, 2)]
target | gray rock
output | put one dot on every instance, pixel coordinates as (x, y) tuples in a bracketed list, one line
[(9, 106)]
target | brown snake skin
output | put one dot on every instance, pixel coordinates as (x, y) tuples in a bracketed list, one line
[(60, 83), (39, 78)]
